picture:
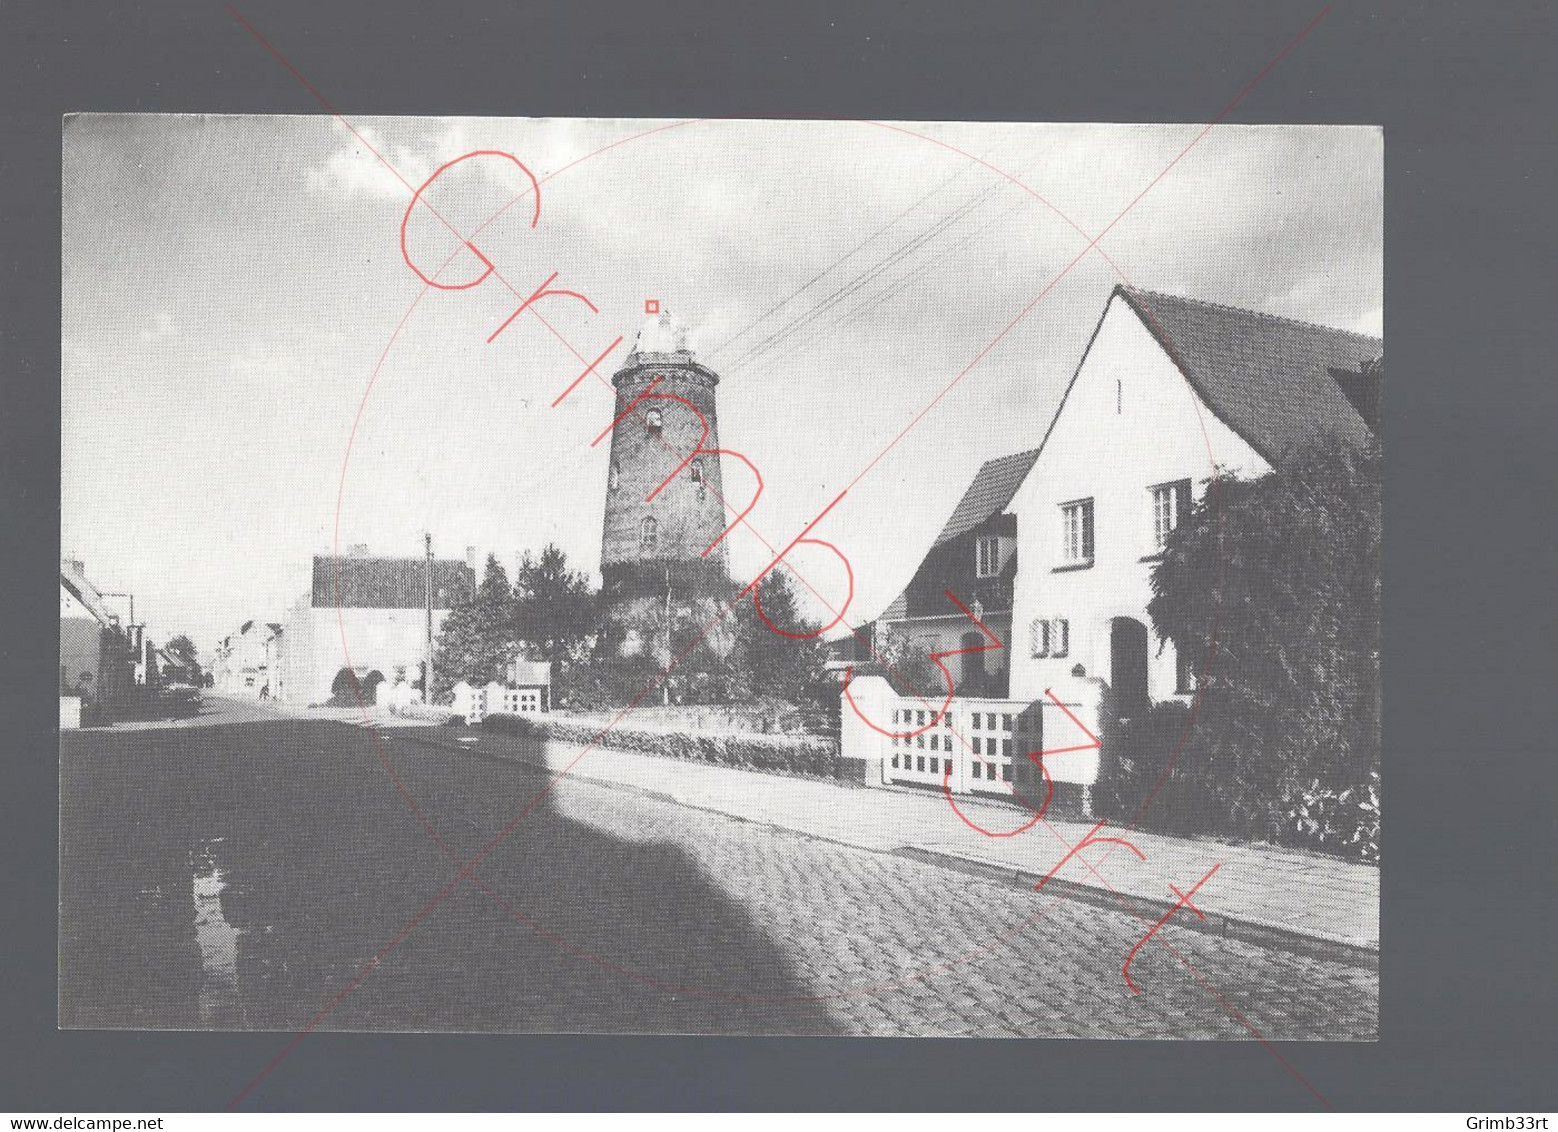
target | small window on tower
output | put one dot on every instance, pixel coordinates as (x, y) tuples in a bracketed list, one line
[(697, 471), (648, 533), (614, 481), (652, 421)]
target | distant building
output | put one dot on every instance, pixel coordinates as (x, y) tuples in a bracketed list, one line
[(97, 654), (240, 667), (363, 621)]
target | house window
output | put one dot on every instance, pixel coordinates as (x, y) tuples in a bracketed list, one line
[(987, 557), (1038, 638), (1184, 672), (1076, 538), (1170, 504), (614, 481), (1050, 638), (648, 533), (652, 421)]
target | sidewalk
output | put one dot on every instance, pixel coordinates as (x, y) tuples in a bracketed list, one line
[(1266, 896)]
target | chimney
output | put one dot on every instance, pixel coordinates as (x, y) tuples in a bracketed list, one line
[(470, 558), (357, 550)]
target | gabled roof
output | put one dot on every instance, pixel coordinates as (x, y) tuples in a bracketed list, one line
[(74, 579), (388, 583), (993, 487), (987, 496), (1269, 379)]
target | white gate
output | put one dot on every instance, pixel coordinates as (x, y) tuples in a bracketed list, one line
[(976, 746)]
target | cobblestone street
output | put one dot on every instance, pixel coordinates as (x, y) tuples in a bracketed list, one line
[(240, 876)]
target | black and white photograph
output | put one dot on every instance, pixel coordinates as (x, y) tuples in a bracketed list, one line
[(703, 576), (656, 562)]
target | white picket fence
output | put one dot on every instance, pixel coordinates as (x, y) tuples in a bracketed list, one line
[(976, 746)]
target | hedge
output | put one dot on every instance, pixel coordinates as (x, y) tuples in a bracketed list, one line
[(803, 755), (1156, 776)]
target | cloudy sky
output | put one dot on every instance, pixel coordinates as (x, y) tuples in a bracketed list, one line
[(253, 374)]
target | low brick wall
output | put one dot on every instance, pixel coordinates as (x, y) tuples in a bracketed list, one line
[(807, 756)]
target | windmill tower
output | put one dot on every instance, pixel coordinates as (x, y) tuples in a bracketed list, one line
[(654, 569)]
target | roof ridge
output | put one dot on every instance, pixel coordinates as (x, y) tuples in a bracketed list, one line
[(1142, 291)]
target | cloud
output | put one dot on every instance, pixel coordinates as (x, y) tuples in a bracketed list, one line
[(163, 325), (369, 166)]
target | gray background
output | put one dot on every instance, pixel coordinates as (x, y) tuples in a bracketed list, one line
[(1466, 97)]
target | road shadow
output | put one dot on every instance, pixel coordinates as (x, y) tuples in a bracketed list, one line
[(293, 850)]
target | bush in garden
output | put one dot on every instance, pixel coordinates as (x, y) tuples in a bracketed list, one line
[(1276, 580)]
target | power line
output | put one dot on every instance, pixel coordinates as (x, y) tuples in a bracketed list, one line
[(864, 279), (835, 263)]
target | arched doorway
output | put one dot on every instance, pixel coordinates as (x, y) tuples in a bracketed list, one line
[(344, 686), (1128, 665)]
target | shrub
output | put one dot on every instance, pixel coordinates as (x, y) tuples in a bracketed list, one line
[(1271, 586), (1147, 779), (1345, 821)]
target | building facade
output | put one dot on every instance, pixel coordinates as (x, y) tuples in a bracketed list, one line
[(1053, 548), (241, 666), (1170, 393), (974, 559), (363, 622), (97, 654)]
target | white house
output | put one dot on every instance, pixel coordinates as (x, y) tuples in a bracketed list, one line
[(1169, 392), (240, 666), (1054, 546), (363, 620)]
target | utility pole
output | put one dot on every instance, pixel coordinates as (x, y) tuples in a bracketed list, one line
[(665, 688), (427, 679)]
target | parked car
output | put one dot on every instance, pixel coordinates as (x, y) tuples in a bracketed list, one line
[(180, 699)]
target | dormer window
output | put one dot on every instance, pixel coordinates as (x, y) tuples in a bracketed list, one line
[(987, 557), (652, 422)]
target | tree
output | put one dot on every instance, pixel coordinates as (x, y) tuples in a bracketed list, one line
[(1272, 587), (775, 666), (555, 606), (905, 665), (479, 637), (182, 649)]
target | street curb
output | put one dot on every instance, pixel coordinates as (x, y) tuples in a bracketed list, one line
[(1244, 929)]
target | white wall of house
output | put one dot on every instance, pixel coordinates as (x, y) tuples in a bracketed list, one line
[(1130, 422), (375, 640)]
